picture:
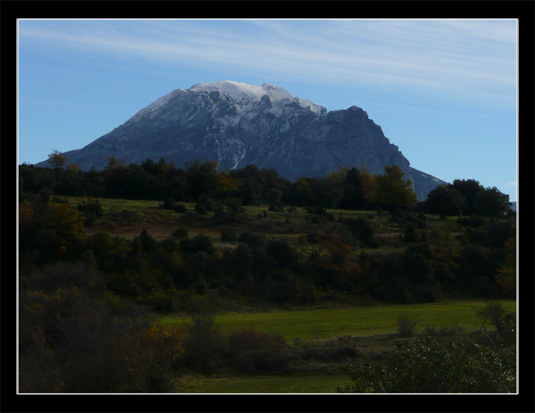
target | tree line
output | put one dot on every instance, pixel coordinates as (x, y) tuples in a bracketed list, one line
[(347, 188), (480, 261)]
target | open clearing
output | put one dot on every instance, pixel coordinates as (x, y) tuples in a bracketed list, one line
[(367, 329), (362, 321)]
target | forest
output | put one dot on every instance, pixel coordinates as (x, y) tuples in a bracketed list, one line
[(105, 256)]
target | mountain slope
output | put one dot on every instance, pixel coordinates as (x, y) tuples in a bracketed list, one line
[(237, 124)]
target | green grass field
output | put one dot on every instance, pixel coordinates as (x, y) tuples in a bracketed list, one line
[(363, 321), (368, 326)]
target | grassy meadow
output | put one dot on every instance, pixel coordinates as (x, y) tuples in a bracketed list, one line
[(363, 321)]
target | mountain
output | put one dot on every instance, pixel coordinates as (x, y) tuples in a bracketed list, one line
[(237, 124)]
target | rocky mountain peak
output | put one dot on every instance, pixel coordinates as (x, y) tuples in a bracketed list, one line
[(237, 124)]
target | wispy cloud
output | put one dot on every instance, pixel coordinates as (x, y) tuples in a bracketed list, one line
[(475, 58)]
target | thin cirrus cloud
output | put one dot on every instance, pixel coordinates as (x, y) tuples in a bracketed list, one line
[(474, 58)]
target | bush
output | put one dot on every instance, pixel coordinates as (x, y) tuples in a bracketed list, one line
[(251, 351), (505, 324), (90, 206), (169, 203), (180, 233), (423, 365), (199, 243), (181, 209), (406, 325)]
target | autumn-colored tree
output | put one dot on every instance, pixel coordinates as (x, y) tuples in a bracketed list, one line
[(337, 265), (25, 212), (227, 184), (68, 225), (56, 159), (112, 163), (73, 167), (67, 221), (151, 353)]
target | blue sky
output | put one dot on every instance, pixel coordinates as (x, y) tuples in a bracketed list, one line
[(443, 91)]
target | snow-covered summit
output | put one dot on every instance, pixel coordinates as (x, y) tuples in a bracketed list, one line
[(244, 93), (236, 90)]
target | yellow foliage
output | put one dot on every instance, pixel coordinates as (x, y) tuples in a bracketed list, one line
[(67, 221), (227, 184), (302, 186)]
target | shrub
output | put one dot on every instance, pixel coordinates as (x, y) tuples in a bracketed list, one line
[(199, 243), (180, 233), (505, 324), (169, 203), (406, 325), (251, 351), (423, 365), (181, 209), (90, 206)]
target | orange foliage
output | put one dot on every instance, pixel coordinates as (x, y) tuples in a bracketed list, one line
[(25, 212), (227, 184)]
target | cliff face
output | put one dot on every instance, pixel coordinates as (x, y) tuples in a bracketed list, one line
[(237, 124)]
